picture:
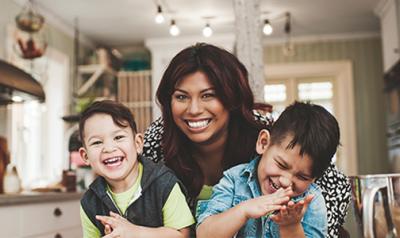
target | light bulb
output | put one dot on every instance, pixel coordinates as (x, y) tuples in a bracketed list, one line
[(207, 31), (174, 29), (17, 98), (267, 29), (159, 16)]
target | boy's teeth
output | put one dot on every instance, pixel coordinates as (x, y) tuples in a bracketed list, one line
[(112, 160), (198, 124), (274, 185)]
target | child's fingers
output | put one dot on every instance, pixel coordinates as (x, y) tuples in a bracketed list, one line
[(284, 211), (106, 220), (107, 229), (115, 215)]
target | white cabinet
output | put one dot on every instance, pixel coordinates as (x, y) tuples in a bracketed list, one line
[(388, 12), (41, 220)]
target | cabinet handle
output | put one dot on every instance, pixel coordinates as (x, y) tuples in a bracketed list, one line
[(58, 235), (57, 212)]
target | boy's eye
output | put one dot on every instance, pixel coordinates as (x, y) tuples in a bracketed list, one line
[(303, 178), (119, 137), (281, 166), (97, 142)]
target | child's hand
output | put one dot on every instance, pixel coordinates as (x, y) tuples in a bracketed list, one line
[(292, 213), (261, 206), (116, 226)]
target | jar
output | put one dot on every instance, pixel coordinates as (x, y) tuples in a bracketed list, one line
[(11, 181)]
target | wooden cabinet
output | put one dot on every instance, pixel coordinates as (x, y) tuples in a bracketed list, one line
[(41, 220), (388, 12)]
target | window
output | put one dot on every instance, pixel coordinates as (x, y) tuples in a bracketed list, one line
[(282, 92), (37, 129)]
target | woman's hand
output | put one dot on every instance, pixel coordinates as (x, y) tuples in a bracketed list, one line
[(117, 226), (263, 205), (292, 213)]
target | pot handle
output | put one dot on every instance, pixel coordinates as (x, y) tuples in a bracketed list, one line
[(368, 212)]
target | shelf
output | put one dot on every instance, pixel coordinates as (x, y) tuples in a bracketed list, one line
[(96, 70)]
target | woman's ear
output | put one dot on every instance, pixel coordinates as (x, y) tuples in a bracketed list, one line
[(84, 155), (139, 143), (262, 141)]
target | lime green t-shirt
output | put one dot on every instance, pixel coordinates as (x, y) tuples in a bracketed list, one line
[(205, 192), (176, 212)]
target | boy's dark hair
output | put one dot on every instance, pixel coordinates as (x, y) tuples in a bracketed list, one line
[(120, 114), (313, 128)]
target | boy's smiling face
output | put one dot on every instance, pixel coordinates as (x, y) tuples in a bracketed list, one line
[(281, 166), (111, 150)]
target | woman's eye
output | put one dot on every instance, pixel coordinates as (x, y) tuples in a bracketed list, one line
[(180, 97), (208, 95)]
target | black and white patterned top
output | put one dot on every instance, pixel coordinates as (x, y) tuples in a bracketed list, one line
[(334, 184)]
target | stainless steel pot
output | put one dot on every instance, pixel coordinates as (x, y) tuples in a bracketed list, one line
[(376, 200)]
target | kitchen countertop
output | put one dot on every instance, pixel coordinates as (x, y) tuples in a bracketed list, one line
[(36, 197)]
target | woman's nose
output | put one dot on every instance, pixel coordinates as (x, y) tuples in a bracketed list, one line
[(195, 106), (285, 181)]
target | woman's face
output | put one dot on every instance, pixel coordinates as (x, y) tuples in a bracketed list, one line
[(197, 110)]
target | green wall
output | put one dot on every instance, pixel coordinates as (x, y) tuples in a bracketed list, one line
[(370, 101)]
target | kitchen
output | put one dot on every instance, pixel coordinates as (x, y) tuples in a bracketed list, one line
[(319, 39)]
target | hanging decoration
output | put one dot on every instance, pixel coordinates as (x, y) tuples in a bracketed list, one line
[(30, 38)]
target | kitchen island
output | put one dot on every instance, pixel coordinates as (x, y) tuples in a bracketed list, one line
[(40, 215), (37, 197)]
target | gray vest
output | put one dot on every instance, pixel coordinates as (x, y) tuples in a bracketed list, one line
[(157, 183)]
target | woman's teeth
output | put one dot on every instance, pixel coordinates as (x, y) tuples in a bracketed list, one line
[(198, 124)]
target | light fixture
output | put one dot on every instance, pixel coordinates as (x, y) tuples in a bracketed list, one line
[(288, 48), (159, 16), (174, 29), (207, 31), (267, 29)]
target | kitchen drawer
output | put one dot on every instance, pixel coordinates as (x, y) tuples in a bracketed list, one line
[(74, 232), (48, 217), (9, 217)]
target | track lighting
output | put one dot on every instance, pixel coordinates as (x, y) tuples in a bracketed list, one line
[(267, 29), (159, 16), (207, 31), (174, 29)]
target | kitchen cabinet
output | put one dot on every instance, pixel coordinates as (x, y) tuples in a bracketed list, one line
[(388, 12), (54, 219)]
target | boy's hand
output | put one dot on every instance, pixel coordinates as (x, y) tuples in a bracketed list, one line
[(292, 213), (261, 206), (120, 227)]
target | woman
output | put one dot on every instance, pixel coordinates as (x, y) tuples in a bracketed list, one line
[(209, 125)]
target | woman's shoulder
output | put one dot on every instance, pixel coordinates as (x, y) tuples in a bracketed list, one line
[(332, 177), (152, 148)]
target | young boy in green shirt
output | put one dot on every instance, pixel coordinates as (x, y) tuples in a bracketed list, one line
[(130, 189)]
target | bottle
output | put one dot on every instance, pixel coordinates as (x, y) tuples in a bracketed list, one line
[(11, 181)]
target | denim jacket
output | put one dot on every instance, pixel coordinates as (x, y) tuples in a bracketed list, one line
[(240, 183)]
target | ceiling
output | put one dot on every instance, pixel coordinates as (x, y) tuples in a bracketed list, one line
[(127, 22)]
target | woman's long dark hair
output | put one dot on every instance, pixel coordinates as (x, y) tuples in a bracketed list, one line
[(230, 79)]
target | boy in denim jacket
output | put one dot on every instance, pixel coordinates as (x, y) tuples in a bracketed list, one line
[(274, 195)]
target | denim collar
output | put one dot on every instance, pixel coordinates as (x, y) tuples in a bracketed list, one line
[(250, 171)]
